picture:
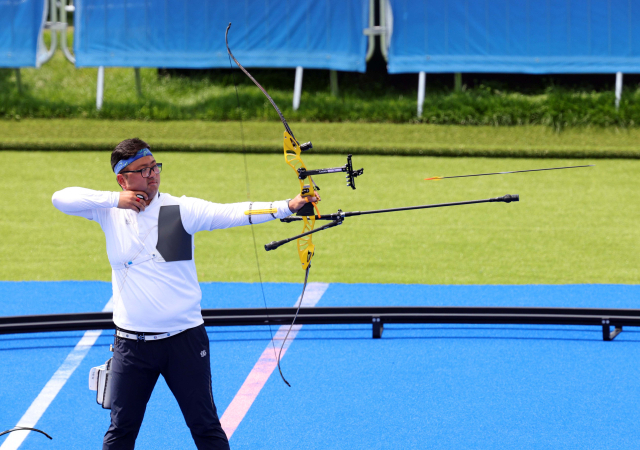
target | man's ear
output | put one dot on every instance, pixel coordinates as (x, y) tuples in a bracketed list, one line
[(121, 181)]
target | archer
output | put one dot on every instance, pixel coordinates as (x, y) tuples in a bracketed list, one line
[(156, 294)]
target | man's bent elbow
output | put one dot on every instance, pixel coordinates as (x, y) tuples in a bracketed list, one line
[(60, 201), (55, 199)]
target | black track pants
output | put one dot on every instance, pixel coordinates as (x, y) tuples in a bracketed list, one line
[(183, 361)]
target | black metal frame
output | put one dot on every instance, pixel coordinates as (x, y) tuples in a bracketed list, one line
[(375, 315)]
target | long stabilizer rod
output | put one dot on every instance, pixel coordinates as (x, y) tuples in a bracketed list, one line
[(503, 173), (338, 217), (505, 199)]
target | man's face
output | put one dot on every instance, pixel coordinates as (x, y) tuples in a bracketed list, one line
[(135, 181)]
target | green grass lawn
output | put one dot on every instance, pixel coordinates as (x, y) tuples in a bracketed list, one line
[(357, 138), (571, 226)]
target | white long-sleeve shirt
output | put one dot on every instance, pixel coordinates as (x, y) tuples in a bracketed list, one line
[(152, 295)]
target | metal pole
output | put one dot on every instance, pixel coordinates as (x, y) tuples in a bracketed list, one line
[(618, 89), (53, 26), (385, 9), (297, 88), (63, 30), (372, 40), (422, 81), (100, 89)]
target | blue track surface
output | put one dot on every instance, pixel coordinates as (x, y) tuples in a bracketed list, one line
[(420, 386)]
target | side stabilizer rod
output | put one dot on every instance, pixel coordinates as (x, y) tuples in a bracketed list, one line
[(275, 244), (338, 218)]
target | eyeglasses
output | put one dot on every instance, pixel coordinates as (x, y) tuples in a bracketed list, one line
[(146, 171)]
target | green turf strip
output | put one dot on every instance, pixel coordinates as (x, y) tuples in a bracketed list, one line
[(571, 226), (60, 90), (357, 138)]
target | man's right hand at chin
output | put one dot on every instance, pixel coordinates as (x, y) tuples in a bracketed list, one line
[(129, 200)]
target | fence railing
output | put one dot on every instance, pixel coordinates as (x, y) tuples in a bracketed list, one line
[(377, 316)]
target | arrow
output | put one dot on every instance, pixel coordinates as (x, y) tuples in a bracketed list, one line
[(503, 173)]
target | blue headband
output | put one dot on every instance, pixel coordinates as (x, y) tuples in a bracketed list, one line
[(125, 162)]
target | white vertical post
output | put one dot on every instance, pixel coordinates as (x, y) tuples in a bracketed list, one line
[(372, 39), (386, 25), (46, 56), (618, 89), (422, 81), (297, 88), (100, 90), (64, 8)]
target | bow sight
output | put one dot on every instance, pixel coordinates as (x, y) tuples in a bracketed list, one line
[(303, 173), (348, 167)]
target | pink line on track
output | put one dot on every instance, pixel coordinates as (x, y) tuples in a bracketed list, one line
[(267, 362)]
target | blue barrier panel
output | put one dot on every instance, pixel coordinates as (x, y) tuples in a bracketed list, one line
[(552, 36), (20, 25), (314, 34)]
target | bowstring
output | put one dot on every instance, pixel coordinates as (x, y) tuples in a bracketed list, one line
[(253, 234), (25, 429), (304, 287), (286, 126)]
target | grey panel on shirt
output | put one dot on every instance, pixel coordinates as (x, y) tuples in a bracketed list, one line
[(174, 243)]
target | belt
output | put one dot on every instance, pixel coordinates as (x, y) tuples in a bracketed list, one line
[(146, 337)]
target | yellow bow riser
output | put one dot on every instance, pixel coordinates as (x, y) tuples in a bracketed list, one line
[(292, 157), (306, 248), (292, 152)]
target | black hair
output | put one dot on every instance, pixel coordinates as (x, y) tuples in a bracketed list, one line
[(126, 149)]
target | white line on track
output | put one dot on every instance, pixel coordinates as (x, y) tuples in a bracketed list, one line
[(53, 386), (267, 362)]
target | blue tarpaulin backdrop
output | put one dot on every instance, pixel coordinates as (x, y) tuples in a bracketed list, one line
[(552, 36), (316, 34), (20, 24)]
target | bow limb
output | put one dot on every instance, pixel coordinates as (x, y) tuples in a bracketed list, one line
[(292, 156), (246, 72), (292, 150)]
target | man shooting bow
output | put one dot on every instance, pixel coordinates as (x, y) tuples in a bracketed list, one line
[(156, 295)]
